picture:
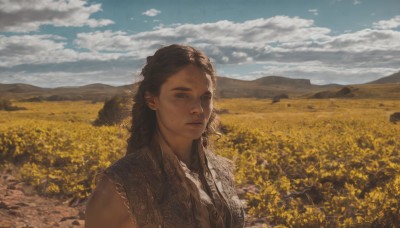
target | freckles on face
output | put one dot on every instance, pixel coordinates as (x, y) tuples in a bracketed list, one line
[(185, 103)]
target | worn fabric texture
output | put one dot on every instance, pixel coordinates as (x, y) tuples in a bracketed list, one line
[(161, 191)]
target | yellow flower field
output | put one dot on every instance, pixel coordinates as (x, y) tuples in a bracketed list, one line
[(299, 162)]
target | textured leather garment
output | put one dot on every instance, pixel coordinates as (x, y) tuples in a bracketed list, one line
[(161, 191)]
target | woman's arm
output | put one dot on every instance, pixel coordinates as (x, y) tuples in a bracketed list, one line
[(105, 208)]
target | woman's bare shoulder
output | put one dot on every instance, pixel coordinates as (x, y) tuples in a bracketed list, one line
[(107, 207)]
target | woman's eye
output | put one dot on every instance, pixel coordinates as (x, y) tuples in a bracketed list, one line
[(181, 95), (207, 97)]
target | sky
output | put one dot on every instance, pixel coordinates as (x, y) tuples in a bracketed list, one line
[(53, 43)]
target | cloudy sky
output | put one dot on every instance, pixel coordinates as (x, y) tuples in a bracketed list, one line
[(52, 43)]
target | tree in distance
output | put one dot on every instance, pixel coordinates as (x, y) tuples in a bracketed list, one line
[(114, 111), (6, 105)]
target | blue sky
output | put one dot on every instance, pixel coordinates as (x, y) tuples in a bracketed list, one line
[(51, 43)]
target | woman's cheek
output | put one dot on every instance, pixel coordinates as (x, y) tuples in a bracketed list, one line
[(209, 106), (176, 102)]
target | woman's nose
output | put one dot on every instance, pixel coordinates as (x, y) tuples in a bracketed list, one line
[(197, 107)]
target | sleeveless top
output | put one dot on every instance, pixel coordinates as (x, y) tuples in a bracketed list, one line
[(161, 191)]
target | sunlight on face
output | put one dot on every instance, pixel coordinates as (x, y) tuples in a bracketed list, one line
[(184, 105)]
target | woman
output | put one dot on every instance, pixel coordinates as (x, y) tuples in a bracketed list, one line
[(169, 178)]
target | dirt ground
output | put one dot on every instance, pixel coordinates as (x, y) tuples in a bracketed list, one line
[(21, 206)]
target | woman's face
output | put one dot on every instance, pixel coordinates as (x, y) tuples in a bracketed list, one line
[(184, 105)]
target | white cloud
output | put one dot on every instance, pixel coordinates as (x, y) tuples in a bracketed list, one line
[(151, 12), (388, 24), (253, 33), (32, 49), (59, 78), (365, 40), (313, 11), (104, 41), (356, 2), (241, 57), (29, 15), (290, 41), (98, 23), (319, 73), (260, 40), (42, 49)]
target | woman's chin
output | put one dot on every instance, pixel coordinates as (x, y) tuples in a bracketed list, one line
[(194, 135)]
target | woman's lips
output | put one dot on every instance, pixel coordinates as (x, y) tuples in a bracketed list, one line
[(196, 123)]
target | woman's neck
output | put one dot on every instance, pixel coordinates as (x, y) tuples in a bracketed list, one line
[(181, 148)]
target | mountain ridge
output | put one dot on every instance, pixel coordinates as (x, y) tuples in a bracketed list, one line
[(393, 78), (264, 87)]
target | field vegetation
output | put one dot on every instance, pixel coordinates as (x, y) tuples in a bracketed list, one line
[(299, 162)]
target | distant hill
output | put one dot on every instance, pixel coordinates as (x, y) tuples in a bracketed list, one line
[(96, 86), (94, 92), (378, 91), (20, 88), (277, 80), (385, 87), (394, 78), (265, 87)]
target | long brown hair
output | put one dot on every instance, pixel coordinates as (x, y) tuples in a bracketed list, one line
[(159, 67)]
